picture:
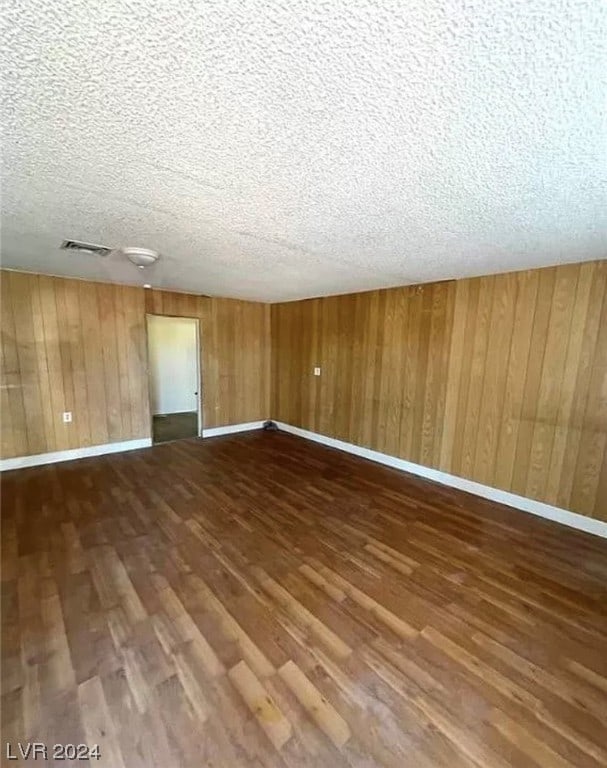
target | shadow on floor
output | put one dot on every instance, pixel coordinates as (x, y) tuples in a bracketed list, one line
[(174, 426)]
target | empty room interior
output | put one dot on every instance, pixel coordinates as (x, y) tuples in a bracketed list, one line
[(304, 383)]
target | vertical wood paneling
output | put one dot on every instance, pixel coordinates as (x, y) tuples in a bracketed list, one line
[(518, 359), (436, 371), (60, 395), (494, 376), (14, 433), (398, 321), (123, 360), (454, 371), (464, 384), (594, 434), (81, 405), (577, 422), (550, 389), (500, 379), (93, 364), (72, 345), (370, 357), (27, 360), (412, 339), (42, 362), (570, 369), (478, 369), (136, 351), (115, 408), (443, 379), (234, 350), (533, 376), (63, 342)]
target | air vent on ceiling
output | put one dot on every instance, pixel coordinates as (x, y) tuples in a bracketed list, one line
[(90, 248)]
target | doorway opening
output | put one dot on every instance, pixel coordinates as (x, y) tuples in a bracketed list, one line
[(175, 381)]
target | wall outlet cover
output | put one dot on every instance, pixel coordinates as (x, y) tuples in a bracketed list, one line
[(317, 371)]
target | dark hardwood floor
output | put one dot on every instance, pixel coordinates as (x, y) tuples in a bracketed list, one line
[(259, 600)]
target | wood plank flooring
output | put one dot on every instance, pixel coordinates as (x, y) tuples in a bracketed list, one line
[(258, 600)]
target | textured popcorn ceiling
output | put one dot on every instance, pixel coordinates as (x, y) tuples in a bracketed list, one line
[(277, 150)]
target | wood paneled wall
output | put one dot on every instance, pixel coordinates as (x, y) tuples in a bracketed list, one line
[(73, 345), (235, 353), (500, 379)]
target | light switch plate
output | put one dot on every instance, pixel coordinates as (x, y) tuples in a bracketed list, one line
[(317, 371)]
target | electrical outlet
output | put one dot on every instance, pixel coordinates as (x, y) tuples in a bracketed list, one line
[(67, 417), (317, 371)]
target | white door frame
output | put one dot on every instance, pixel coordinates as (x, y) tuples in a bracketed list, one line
[(198, 366)]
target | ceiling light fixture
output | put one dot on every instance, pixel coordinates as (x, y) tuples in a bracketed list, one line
[(141, 257)]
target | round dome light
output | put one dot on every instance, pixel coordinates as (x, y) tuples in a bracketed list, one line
[(141, 257)]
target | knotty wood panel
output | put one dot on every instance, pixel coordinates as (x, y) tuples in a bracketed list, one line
[(500, 379), (73, 345)]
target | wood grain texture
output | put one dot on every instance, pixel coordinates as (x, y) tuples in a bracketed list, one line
[(235, 353), (500, 379), (260, 600), (73, 345), (76, 346)]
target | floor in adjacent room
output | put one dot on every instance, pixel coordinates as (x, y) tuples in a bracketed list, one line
[(174, 426), (260, 600)]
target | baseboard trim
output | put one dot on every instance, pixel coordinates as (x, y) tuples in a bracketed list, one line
[(230, 429), (539, 508), (19, 462)]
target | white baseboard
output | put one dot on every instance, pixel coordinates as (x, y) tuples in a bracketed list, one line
[(18, 462), (231, 428), (564, 516)]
